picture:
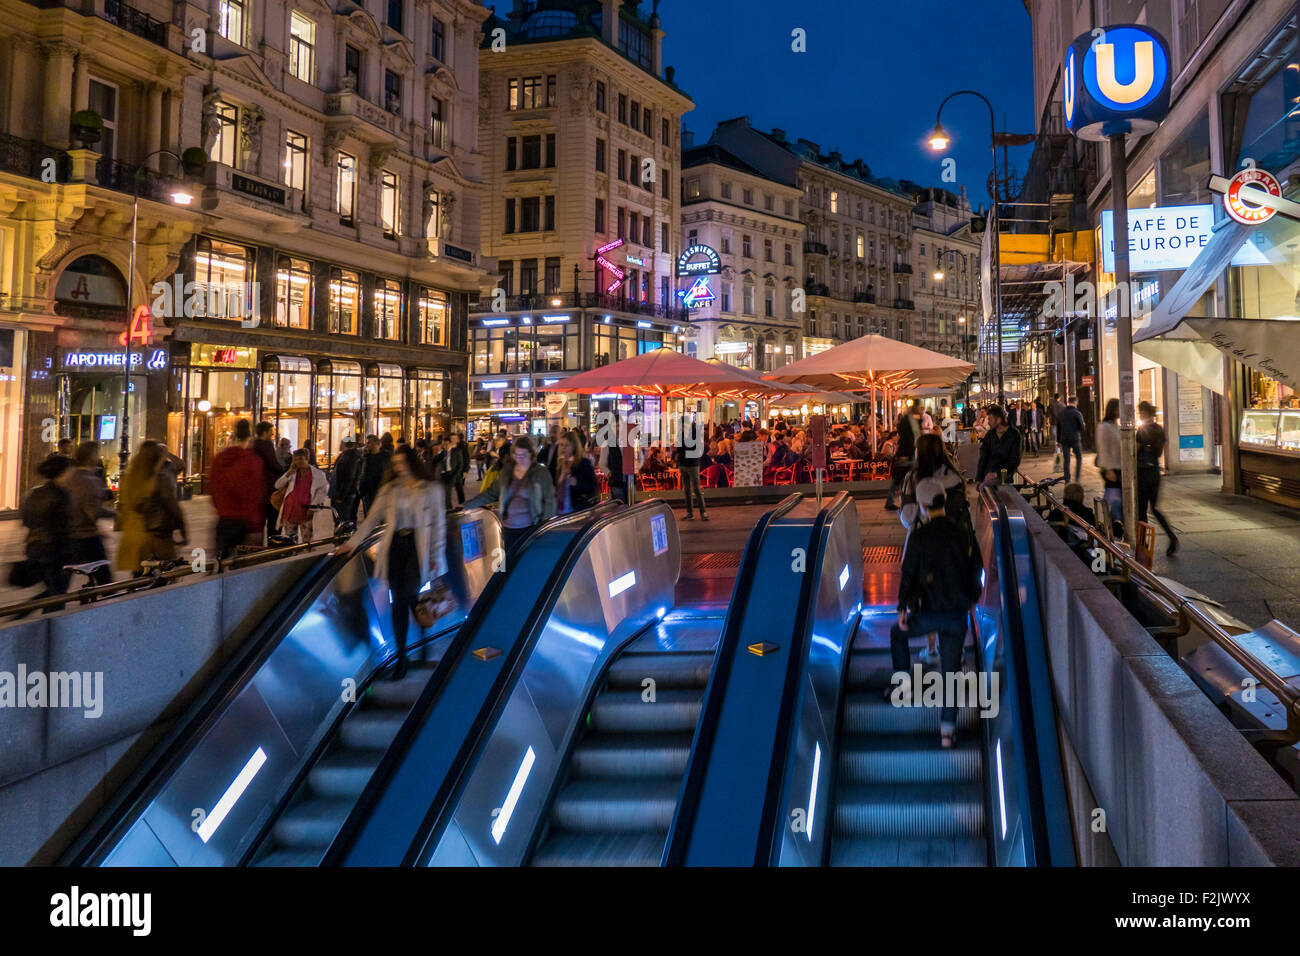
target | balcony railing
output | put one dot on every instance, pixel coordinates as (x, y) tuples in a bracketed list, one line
[(817, 288), (26, 157), (135, 21), (815, 248), (903, 268), (907, 304), (126, 178), (585, 300), (868, 297)]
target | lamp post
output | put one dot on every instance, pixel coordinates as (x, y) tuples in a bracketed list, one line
[(939, 141), (181, 198)]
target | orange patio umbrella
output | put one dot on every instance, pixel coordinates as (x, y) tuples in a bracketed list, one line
[(667, 374)]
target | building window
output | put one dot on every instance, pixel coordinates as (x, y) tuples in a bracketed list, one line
[(622, 165), (666, 131), (550, 150), (527, 93), (438, 40), (352, 67), (437, 123), (749, 299), (768, 203), (432, 208), (622, 223), (224, 269), (600, 216), (510, 216), (295, 160), (528, 277), (231, 21), (552, 276), (835, 201), (507, 270), (293, 293), (635, 120), (600, 96), (433, 318), (549, 222), (226, 142), (302, 46), (663, 181), (726, 297), (392, 92), (747, 246), (862, 246), (769, 302), (550, 90), (726, 240), (600, 156), (747, 197), (388, 309), (389, 206), (726, 190), (692, 189), (622, 108), (647, 122), (395, 15), (767, 250), (663, 237), (346, 187), (789, 254), (530, 214), (345, 300), (531, 156), (512, 153), (789, 207), (103, 100)]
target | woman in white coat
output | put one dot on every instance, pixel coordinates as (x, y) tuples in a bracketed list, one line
[(306, 490), (413, 548)]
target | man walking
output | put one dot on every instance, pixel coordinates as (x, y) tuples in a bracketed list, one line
[(939, 587), (689, 454), (1069, 432), (373, 467), (909, 430), (1150, 446), (238, 475), (272, 468), (1000, 450), (345, 480)]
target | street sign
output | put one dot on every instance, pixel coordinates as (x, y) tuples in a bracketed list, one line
[(817, 438), (1116, 81)]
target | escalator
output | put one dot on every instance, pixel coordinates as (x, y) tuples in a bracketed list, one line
[(270, 768)]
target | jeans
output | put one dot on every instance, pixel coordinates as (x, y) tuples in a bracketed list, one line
[(951, 626), (88, 550), (1075, 445), (404, 583), (512, 538), (691, 486), (1148, 491), (231, 533)]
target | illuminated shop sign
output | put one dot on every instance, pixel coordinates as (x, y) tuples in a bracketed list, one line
[(635, 261), (698, 295), (222, 356), (1116, 80), (698, 260), (141, 331), (618, 274), (1166, 237), (84, 359)]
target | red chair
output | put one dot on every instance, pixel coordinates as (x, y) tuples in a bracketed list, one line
[(783, 475)]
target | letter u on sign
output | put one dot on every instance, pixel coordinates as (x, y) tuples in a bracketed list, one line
[(1144, 73)]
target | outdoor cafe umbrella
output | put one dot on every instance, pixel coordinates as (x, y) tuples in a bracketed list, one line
[(874, 361)]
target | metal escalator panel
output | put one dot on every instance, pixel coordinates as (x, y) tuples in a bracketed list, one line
[(489, 812), (244, 748)]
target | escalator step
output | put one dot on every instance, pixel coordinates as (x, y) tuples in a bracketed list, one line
[(297, 858), (667, 670), (909, 810), (624, 711), (395, 694), (953, 851), (564, 848), (370, 729), (867, 712), (632, 756), (616, 805), (904, 758), (343, 773), (311, 823)]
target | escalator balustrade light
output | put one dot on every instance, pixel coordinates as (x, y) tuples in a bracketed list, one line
[(844, 576), (512, 797), (487, 653), (812, 793), (232, 795), (621, 584), (1002, 798), (763, 648)]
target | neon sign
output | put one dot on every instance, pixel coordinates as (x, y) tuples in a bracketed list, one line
[(699, 294), (1117, 80), (141, 331), (689, 263), (613, 270)]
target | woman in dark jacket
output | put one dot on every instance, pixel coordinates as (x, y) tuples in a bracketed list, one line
[(46, 511), (524, 493), (575, 477)]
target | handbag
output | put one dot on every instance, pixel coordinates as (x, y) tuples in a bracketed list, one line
[(277, 499), (24, 573), (433, 604)]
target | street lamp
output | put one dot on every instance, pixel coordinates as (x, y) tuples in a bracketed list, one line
[(197, 158), (939, 141)]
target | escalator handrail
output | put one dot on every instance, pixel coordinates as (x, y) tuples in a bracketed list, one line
[(683, 823), (133, 796), (796, 665), (1034, 739), (343, 844)]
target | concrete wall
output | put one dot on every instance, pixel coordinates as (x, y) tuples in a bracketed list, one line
[(1179, 786), (157, 651)]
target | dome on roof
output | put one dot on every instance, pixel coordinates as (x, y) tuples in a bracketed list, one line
[(550, 23)]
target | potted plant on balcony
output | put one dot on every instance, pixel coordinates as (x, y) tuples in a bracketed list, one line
[(195, 160), (87, 127)]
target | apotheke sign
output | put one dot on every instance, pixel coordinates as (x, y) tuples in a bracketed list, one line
[(79, 359)]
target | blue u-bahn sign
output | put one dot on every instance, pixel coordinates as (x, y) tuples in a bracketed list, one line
[(1116, 81)]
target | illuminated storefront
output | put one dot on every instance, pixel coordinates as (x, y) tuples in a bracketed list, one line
[(13, 375), (211, 388)]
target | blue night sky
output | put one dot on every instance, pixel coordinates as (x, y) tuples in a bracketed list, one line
[(869, 85)]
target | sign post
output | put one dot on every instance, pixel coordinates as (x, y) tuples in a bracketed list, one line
[(1099, 105), (817, 438)]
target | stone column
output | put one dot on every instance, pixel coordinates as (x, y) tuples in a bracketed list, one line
[(153, 123), (58, 94), (80, 82)]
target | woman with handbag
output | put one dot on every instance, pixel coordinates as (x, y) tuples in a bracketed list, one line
[(575, 476), (412, 549), (46, 514), (1109, 463), (524, 493), (148, 511), (304, 491)]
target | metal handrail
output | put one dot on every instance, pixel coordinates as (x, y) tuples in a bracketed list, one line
[(1186, 608), (88, 595)]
